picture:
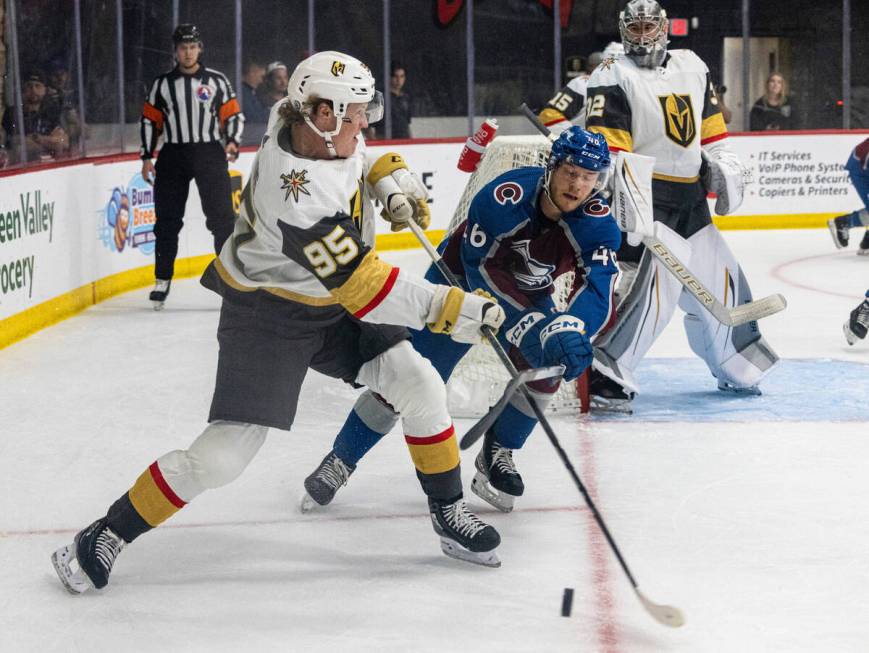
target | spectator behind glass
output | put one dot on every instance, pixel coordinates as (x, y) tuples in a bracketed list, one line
[(274, 88), (44, 137), (773, 110), (252, 77), (400, 103), (63, 95), (726, 113)]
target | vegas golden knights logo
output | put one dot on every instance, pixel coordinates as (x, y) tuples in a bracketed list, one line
[(337, 68), (678, 118)]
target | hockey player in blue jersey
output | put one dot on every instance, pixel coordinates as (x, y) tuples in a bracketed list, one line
[(523, 229), (858, 169)]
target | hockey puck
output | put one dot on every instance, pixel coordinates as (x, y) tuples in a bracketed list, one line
[(567, 602)]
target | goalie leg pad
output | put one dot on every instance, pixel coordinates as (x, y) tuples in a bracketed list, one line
[(644, 312), (738, 357)]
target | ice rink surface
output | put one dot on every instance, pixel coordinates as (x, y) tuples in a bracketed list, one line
[(747, 513)]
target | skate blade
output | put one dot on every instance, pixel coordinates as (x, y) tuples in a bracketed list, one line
[(495, 498), (308, 504), (483, 558), (604, 405), (75, 582), (850, 336), (158, 306), (863, 252), (831, 225), (752, 391)]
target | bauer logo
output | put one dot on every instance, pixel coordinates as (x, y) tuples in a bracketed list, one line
[(128, 218)]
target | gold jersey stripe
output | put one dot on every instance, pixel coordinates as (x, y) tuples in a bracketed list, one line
[(677, 180), (385, 165), (149, 501), (435, 458), (615, 138), (550, 116), (712, 126), (364, 284), (308, 300)]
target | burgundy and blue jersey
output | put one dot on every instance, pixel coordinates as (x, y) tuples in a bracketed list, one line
[(510, 249)]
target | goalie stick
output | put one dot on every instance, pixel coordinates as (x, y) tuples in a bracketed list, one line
[(730, 317), (664, 614)]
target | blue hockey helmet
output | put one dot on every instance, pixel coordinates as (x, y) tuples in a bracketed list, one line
[(581, 148)]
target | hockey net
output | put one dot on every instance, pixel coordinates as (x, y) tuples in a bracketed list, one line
[(480, 378)]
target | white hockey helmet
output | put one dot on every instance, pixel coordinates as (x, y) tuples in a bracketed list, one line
[(336, 77), (644, 27)]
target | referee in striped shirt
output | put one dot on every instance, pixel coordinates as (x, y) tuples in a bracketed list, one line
[(195, 109)]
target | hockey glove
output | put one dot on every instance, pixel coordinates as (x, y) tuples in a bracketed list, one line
[(565, 342), (461, 315), (525, 336), (724, 176), (402, 193)]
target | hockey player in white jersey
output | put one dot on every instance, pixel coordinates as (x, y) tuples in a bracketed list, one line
[(567, 107), (662, 104), (302, 288)]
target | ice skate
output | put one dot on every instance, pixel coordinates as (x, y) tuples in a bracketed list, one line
[(750, 391), (160, 293), (93, 551), (839, 229), (497, 482), (606, 395), (463, 535), (863, 250), (323, 483), (857, 325)]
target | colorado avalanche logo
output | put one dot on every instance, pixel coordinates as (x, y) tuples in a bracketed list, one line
[(536, 275), (509, 191), (204, 93)]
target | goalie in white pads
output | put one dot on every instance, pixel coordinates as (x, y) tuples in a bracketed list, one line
[(524, 229), (662, 104), (302, 288)]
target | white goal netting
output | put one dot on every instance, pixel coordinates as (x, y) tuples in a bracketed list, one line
[(479, 379)]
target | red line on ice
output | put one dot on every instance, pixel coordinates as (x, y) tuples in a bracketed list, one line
[(778, 273), (607, 632)]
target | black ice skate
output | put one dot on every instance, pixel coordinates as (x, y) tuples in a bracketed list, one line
[(606, 395), (463, 535), (864, 245), (839, 229), (94, 551), (160, 293), (496, 482), (323, 483), (855, 328)]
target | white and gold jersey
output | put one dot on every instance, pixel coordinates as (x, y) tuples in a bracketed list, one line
[(305, 234), (667, 112)]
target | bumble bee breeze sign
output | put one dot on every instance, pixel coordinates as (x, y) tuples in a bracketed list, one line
[(64, 229)]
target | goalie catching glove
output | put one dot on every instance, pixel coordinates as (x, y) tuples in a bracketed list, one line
[(462, 315), (402, 193), (559, 339)]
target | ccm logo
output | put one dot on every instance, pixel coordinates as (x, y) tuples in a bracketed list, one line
[(508, 192), (516, 334)]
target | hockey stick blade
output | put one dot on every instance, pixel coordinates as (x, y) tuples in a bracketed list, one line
[(663, 614), (757, 309), (478, 429)]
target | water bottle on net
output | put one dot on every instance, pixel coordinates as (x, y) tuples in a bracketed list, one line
[(475, 146)]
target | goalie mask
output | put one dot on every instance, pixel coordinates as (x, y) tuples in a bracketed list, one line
[(644, 26), (338, 78), (581, 148)]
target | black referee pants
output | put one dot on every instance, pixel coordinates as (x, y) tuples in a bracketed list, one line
[(176, 166)]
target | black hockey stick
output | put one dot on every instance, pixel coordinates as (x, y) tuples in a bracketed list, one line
[(665, 614), (730, 317)]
